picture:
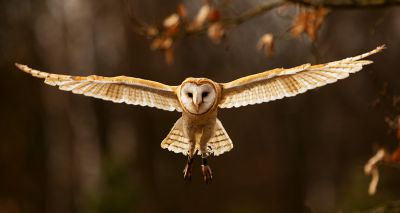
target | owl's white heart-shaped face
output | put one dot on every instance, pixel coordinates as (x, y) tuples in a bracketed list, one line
[(197, 98)]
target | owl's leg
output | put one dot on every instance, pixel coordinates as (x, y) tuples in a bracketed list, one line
[(187, 171), (205, 168)]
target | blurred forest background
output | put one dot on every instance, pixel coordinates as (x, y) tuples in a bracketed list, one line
[(61, 152)]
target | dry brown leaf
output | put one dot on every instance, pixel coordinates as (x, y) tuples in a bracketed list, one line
[(156, 44), (171, 20), (164, 44), (202, 14), (161, 43), (300, 24), (380, 154), (171, 25), (167, 44), (152, 31), (216, 32), (374, 181), (172, 31), (309, 22), (311, 32), (200, 19), (320, 15), (370, 168), (182, 11), (214, 15), (316, 17), (169, 56), (266, 43)]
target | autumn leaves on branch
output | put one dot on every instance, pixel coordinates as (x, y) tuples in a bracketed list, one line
[(211, 21)]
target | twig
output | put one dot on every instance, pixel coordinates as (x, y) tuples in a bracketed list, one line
[(347, 4), (138, 26), (258, 10), (244, 17), (393, 206)]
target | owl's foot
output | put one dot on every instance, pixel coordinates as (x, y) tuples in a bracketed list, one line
[(206, 170), (187, 172)]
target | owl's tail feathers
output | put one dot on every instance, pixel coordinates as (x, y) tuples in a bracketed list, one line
[(176, 141)]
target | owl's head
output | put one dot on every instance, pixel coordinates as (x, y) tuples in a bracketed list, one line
[(198, 95)]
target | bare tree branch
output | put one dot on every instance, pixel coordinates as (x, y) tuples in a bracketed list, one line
[(254, 12), (333, 4), (347, 4), (393, 206)]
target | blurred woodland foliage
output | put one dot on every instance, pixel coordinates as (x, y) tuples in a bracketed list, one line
[(64, 153)]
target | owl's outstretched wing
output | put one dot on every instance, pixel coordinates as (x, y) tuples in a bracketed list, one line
[(279, 83), (120, 89)]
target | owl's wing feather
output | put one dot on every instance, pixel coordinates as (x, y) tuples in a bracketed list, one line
[(279, 83), (120, 89)]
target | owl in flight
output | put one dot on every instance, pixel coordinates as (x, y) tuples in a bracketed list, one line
[(198, 130)]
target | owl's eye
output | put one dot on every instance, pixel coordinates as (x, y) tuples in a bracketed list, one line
[(204, 94), (190, 94)]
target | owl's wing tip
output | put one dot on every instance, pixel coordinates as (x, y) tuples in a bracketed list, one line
[(19, 66), (23, 67), (381, 47)]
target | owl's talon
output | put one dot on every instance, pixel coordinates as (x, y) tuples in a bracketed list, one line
[(187, 172), (206, 170), (207, 173)]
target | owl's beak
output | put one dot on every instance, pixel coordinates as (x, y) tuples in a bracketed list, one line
[(197, 101)]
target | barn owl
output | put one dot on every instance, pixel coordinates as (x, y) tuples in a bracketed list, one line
[(198, 131)]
